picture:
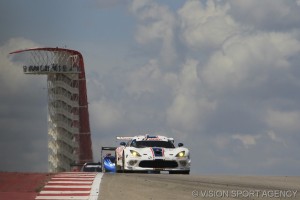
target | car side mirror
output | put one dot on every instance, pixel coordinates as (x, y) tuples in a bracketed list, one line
[(123, 144), (180, 145)]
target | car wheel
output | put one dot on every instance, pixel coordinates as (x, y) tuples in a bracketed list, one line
[(123, 163), (118, 167)]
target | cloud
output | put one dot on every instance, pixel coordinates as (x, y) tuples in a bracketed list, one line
[(274, 137), (274, 15), (106, 115), (147, 79), (206, 25), (283, 121), (247, 140), (10, 75), (23, 113), (248, 60), (189, 107), (157, 24), (224, 84)]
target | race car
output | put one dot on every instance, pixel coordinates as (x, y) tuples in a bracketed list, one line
[(91, 167), (109, 163), (152, 154)]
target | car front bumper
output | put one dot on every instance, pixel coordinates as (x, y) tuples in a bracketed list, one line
[(182, 164)]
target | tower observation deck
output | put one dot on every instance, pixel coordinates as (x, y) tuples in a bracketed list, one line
[(69, 138)]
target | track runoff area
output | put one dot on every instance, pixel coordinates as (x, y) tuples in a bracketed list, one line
[(110, 186), (72, 185)]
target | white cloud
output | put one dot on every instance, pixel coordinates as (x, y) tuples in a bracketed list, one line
[(189, 107), (283, 121), (206, 26), (105, 115), (222, 142), (247, 60), (247, 140), (11, 73), (267, 14), (157, 24), (228, 76), (147, 79), (136, 5), (274, 137)]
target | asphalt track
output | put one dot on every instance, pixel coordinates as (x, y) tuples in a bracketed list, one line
[(181, 187), (30, 186)]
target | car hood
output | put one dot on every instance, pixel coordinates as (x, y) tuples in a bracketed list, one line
[(159, 151)]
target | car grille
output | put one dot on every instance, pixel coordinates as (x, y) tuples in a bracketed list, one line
[(158, 164), (157, 152)]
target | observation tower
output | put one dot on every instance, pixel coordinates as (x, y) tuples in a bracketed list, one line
[(69, 138)]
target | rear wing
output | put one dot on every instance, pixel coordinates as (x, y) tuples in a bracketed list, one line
[(124, 138), (146, 137), (171, 139), (108, 148)]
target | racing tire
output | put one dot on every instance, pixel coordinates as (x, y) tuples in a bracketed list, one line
[(118, 168), (123, 163)]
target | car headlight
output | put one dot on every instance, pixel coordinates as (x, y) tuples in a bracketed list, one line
[(134, 153), (181, 154)]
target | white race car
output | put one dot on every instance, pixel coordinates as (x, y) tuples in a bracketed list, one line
[(152, 153)]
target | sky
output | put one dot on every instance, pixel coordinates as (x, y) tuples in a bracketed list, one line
[(221, 76)]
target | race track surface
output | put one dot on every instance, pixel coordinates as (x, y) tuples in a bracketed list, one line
[(181, 187), (30, 186)]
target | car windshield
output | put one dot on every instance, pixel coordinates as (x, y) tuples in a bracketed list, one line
[(150, 143)]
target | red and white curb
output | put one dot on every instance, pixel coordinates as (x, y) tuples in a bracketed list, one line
[(72, 185)]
